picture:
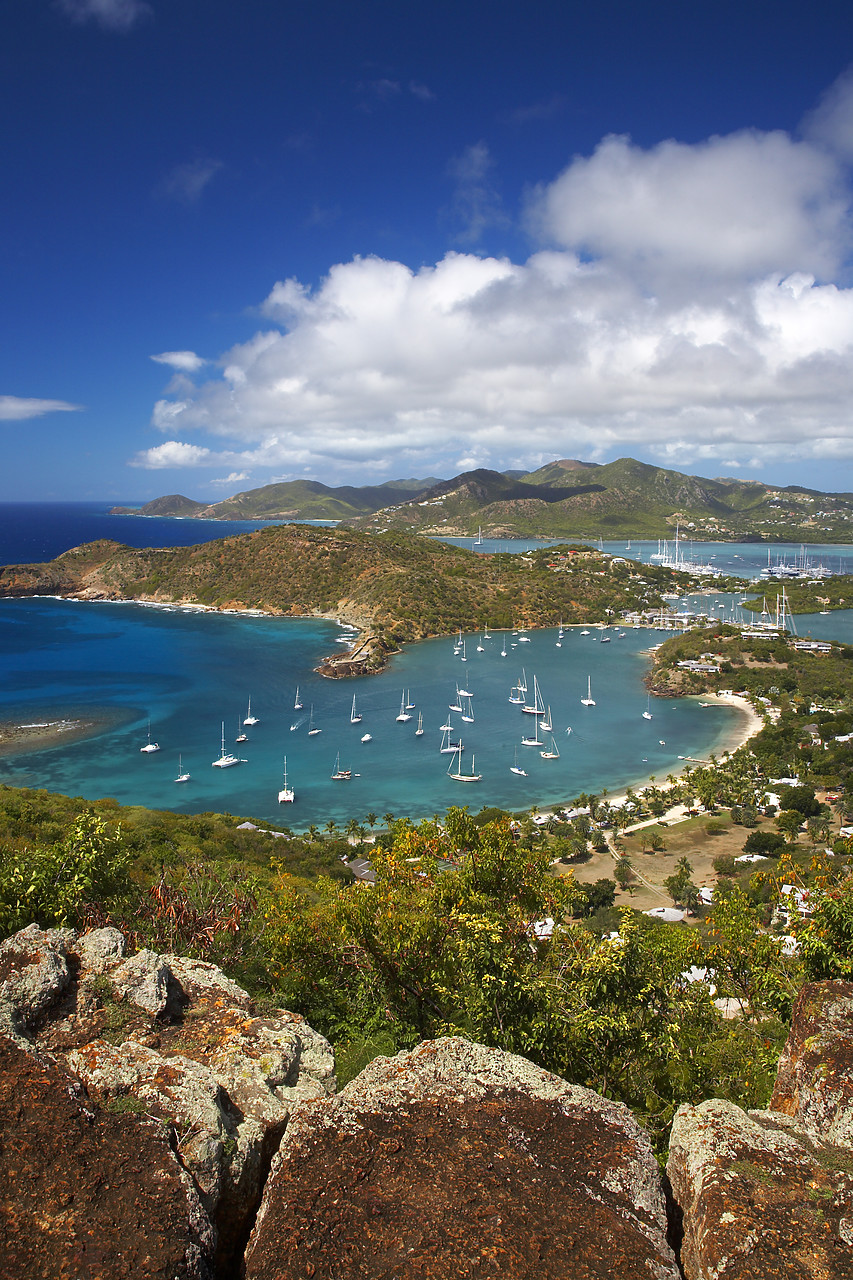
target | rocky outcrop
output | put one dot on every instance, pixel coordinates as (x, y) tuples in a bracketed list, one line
[(175, 1040), (457, 1160), (88, 1194), (769, 1194)]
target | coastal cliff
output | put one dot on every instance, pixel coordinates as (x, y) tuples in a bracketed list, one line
[(148, 1109)]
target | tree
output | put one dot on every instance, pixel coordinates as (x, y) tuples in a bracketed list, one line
[(623, 873), (789, 822), (679, 885), (766, 842)]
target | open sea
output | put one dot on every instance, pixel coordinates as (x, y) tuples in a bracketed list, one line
[(182, 675)]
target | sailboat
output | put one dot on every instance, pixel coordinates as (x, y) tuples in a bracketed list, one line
[(420, 729), (481, 648), (478, 541), (538, 706), (354, 716), (522, 684), (458, 776), (404, 714), (448, 746), (340, 775), (647, 715), (311, 729), (546, 722), (456, 705), (463, 693), (226, 760), (535, 741), (410, 706), (286, 795), (503, 650), (588, 701), (250, 719), (297, 705), (514, 767), (468, 714), (241, 736), (464, 658), (182, 777), (367, 737), (515, 695), (149, 746), (553, 754)]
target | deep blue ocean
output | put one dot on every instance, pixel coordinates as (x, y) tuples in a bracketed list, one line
[(185, 674)]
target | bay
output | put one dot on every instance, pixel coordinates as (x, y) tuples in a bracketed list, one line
[(187, 673)]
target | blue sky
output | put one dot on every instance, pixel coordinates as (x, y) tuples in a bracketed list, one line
[(250, 242)]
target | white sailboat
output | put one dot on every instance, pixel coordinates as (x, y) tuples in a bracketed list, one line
[(516, 696), (354, 716), (537, 708), (515, 768), (468, 712), (647, 715), (419, 732), (367, 737), (226, 759), (448, 746), (149, 746), (553, 753), (410, 706), (340, 775), (458, 776), (464, 657), (588, 701), (522, 684), (535, 741), (404, 714), (297, 705), (481, 648), (286, 795), (503, 650), (456, 705), (311, 729), (241, 736), (250, 719), (182, 777), (546, 723)]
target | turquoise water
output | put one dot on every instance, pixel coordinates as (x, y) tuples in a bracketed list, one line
[(186, 673)]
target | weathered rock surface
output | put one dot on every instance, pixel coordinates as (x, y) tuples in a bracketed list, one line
[(179, 1039), (769, 1194), (814, 1083), (457, 1160), (86, 1195)]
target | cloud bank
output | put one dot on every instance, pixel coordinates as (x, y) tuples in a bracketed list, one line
[(683, 303), (113, 15)]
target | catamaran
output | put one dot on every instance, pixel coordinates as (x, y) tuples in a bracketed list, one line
[(404, 714), (286, 795), (354, 716), (250, 719), (226, 760), (588, 701), (340, 775), (458, 776), (182, 777)]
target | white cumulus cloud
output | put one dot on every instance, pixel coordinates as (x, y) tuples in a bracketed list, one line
[(20, 408), (683, 306), (174, 454)]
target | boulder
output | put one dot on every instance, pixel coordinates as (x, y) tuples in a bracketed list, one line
[(180, 1041), (814, 1083), (86, 1193), (458, 1160), (760, 1198)]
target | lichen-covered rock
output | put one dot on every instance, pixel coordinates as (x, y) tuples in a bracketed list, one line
[(814, 1083), (86, 1193), (34, 972), (177, 1038), (761, 1199), (455, 1160)]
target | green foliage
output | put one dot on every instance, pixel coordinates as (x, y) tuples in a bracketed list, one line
[(767, 842), (51, 883)]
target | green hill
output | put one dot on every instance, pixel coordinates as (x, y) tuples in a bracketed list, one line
[(287, 500), (397, 585)]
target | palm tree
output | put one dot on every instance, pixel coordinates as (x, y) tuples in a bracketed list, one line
[(371, 820), (331, 827), (388, 819)]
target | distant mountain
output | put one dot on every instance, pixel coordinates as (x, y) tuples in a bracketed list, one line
[(566, 498), (288, 500), (626, 498)]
